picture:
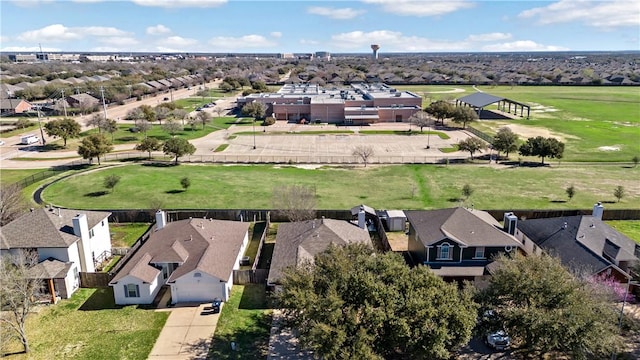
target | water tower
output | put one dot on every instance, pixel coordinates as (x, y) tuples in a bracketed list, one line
[(375, 49)]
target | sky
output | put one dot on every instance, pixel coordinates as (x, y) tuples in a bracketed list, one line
[(269, 26)]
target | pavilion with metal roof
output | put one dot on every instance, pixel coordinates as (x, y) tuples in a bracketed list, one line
[(480, 100)]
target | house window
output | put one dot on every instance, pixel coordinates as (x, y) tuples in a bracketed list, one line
[(479, 253), (131, 290), (91, 233), (102, 222), (444, 252), (197, 275)]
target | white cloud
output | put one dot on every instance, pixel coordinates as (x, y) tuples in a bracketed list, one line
[(158, 30), (29, 48), (523, 45), (246, 41), (30, 3), (4, 39), (59, 32), (603, 14), (421, 8), (181, 3), (178, 41), (309, 42), (489, 37), (392, 41), (276, 34), (335, 13), (119, 41)]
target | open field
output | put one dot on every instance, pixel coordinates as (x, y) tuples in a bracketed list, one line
[(12, 176), (384, 187), (596, 123), (91, 326)]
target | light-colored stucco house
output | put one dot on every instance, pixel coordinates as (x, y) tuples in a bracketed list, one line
[(66, 241), (196, 257)]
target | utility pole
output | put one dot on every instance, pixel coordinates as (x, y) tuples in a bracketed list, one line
[(104, 105), (64, 105), (40, 125)]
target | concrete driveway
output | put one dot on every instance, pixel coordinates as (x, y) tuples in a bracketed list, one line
[(187, 334)]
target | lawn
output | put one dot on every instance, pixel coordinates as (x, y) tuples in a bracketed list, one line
[(384, 187), (13, 176), (246, 321), (91, 326), (589, 119), (126, 234), (631, 228)]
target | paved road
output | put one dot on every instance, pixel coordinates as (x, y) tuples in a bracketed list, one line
[(12, 144)]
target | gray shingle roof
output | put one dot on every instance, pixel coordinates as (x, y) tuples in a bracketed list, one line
[(303, 240), (208, 245), (47, 228), (466, 227), (579, 241), (50, 269)]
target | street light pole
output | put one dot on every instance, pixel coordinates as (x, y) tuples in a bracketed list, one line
[(254, 134)]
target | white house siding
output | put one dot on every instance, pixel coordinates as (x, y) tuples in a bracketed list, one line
[(245, 241), (69, 254), (101, 240), (148, 292), (71, 282), (189, 288)]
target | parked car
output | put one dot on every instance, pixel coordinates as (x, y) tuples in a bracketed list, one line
[(498, 340), (1, 142), (215, 305)]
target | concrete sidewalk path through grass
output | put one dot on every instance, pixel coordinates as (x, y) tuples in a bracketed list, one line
[(187, 334)]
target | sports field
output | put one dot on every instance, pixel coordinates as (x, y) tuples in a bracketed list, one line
[(384, 187), (597, 123)]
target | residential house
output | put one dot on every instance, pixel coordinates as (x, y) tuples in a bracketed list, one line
[(301, 241), (13, 106), (583, 243), (82, 100), (195, 257), (66, 242), (457, 243)]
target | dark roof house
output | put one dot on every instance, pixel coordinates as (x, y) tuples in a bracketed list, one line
[(301, 241), (584, 243)]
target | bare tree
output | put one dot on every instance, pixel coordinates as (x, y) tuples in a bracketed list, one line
[(19, 285), (296, 202), (219, 110), (364, 152), (204, 118), (180, 114), (96, 120), (12, 203), (143, 125), (421, 119), (172, 127)]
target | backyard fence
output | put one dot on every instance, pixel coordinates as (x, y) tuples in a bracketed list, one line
[(95, 279), (257, 276), (256, 260)]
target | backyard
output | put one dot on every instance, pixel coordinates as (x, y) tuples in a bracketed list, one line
[(384, 187), (90, 326)]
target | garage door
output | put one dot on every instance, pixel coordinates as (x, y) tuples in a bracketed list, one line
[(196, 292)]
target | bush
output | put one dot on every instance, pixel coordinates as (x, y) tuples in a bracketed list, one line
[(23, 123), (269, 121)]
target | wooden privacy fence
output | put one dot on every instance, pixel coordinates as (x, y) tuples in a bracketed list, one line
[(257, 276), (94, 279)]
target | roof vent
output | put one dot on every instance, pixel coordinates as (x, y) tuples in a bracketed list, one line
[(564, 226)]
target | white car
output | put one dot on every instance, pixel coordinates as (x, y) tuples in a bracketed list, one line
[(1, 142), (498, 340)]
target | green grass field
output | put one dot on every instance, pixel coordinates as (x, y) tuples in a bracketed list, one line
[(631, 228), (385, 187), (12, 176), (596, 123), (91, 326), (124, 235)]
